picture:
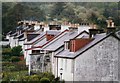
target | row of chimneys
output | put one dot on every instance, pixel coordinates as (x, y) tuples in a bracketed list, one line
[(51, 23), (75, 44), (110, 28)]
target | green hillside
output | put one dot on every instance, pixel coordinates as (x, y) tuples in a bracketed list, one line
[(93, 12)]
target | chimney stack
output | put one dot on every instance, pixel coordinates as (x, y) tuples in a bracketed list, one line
[(110, 25), (93, 31)]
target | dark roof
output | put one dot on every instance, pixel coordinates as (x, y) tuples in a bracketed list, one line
[(31, 36), (42, 34), (14, 34), (98, 39), (19, 36), (118, 33)]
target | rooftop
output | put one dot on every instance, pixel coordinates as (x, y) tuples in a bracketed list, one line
[(97, 39)]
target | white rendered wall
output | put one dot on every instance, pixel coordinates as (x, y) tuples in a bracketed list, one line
[(64, 27), (83, 27), (66, 65)]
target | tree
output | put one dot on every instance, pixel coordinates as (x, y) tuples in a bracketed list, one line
[(57, 10)]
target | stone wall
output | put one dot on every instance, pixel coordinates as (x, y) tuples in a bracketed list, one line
[(99, 63), (36, 62)]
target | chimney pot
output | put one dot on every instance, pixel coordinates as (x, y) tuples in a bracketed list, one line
[(112, 24)]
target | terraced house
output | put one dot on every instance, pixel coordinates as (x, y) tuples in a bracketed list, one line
[(73, 52)]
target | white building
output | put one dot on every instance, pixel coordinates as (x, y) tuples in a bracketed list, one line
[(95, 61)]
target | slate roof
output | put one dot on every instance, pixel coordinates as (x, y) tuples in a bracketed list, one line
[(43, 41), (22, 39), (71, 55), (31, 36), (118, 33), (58, 42), (14, 34), (19, 36), (36, 38)]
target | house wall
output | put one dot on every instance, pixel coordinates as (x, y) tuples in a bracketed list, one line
[(21, 44), (16, 42), (46, 28), (64, 27), (26, 54), (99, 63), (4, 43), (36, 62), (83, 27), (83, 35), (67, 66), (7, 36), (12, 42)]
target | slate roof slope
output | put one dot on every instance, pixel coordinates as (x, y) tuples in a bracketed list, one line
[(36, 38), (31, 36), (58, 42), (118, 33), (44, 39), (19, 36), (42, 42), (14, 34), (72, 55)]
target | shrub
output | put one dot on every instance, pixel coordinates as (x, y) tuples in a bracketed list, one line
[(44, 80), (16, 51), (6, 51), (48, 75), (15, 59), (35, 78)]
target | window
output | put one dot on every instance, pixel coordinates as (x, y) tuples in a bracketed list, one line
[(67, 46)]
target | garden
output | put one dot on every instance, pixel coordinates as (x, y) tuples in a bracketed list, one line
[(15, 70)]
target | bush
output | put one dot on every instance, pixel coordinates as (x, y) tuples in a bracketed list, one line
[(15, 59), (6, 51), (44, 80), (35, 78), (16, 51), (48, 75)]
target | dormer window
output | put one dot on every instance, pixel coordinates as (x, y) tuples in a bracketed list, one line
[(66, 45)]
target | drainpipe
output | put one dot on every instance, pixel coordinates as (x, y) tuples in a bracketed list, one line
[(57, 67), (43, 61), (29, 65), (73, 69)]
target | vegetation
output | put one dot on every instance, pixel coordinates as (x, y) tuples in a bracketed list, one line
[(16, 51), (14, 69), (23, 76), (96, 12)]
